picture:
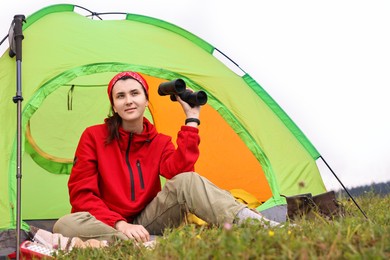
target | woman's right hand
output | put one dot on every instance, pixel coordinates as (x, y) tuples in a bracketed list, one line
[(136, 232)]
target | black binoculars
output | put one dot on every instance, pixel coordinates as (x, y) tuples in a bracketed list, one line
[(178, 87)]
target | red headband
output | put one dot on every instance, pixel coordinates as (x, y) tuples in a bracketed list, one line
[(130, 74)]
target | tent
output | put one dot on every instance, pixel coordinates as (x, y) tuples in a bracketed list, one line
[(247, 141)]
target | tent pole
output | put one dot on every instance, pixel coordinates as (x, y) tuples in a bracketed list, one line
[(357, 205), (16, 50)]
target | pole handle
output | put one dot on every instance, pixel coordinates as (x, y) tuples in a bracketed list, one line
[(16, 36)]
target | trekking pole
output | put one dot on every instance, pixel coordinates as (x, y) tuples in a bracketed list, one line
[(357, 205), (15, 40)]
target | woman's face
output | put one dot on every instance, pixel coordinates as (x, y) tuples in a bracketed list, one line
[(129, 100)]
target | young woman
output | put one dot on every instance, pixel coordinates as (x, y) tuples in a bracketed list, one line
[(114, 186)]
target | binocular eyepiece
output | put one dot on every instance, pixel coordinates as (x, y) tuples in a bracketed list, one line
[(178, 87)]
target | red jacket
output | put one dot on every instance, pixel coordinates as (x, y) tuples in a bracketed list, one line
[(116, 181)]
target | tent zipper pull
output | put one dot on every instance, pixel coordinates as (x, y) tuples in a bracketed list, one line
[(70, 98)]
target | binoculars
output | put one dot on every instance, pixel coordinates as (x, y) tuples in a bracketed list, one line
[(178, 87)]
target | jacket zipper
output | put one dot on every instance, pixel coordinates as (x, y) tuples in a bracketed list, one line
[(141, 178), (129, 168)]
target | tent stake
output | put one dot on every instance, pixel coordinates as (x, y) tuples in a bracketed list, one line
[(15, 39), (357, 205)]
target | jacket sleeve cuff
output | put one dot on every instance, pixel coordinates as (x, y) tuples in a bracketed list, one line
[(189, 129), (112, 222)]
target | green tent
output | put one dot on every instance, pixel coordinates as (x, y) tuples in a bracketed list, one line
[(248, 141)]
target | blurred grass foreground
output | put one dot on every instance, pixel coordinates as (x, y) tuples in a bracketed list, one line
[(349, 237)]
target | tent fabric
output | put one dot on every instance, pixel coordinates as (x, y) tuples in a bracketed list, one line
[(247, 141)]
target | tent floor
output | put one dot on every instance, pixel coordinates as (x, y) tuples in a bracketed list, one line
[(46, 224)]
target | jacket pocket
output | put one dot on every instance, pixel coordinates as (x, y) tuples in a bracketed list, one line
[(141, 177)]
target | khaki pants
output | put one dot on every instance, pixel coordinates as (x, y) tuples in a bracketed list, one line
[(186, 192)]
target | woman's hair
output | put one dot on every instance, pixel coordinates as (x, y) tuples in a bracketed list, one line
[(114, 120)]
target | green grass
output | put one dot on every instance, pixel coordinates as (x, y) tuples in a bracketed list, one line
[(348, 237)]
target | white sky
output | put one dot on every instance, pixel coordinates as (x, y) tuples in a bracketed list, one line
[(326, 63)]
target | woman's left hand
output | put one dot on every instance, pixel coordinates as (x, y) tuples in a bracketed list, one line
[(190, 112)]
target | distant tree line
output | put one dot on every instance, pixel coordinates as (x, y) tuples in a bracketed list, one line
[(381, 189)]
